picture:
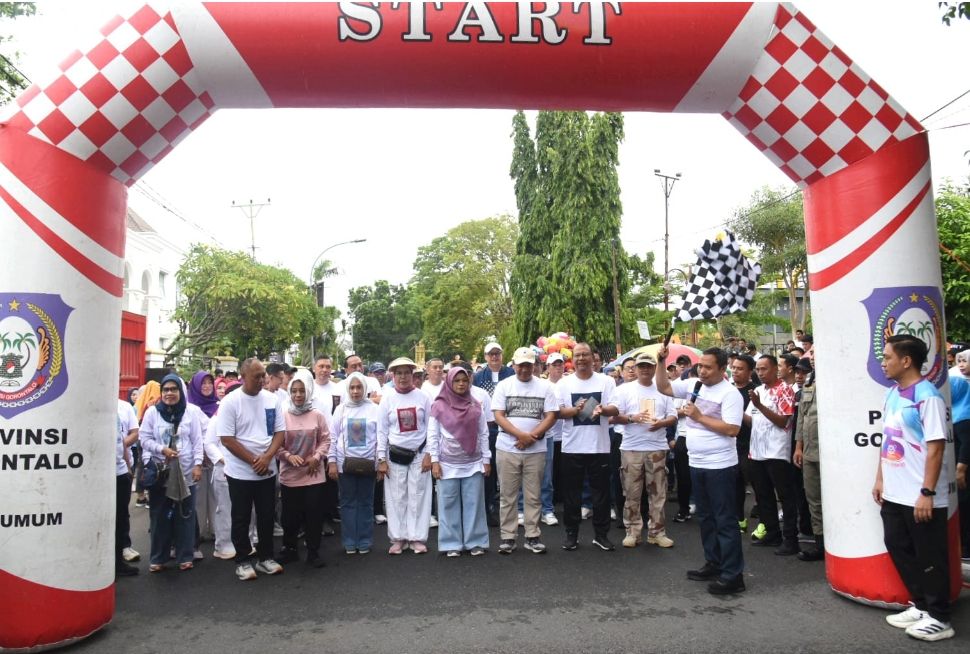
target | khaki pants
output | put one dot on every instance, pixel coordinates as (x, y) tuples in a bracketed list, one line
[(639, 469), (517, 471), (813, 493)]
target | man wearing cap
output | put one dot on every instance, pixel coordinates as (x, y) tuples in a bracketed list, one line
[(525, 407), (646, 414), (487, 378), (806, 458), (402, 459)]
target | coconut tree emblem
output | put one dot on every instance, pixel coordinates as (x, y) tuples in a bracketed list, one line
[(16, 354)]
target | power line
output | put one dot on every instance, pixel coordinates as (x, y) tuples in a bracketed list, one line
[(945, 106)]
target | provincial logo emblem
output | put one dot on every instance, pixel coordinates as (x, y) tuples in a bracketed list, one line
[(914, 310), (33, 370)]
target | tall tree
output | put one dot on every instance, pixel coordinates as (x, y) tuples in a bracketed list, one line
[(953, 10), (773, 224), (461, 281), (953, 225), (387, 321), (232, 304), (12, 81)]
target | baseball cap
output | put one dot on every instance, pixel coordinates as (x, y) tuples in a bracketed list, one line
[(401, 361), (493, 346), (554, 357), (804, 364), (524, 355), (377, 366), (646, 358)]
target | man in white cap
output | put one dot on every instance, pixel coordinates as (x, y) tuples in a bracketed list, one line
[(646, 414), (402, 459), (487, 378), (525, 408)]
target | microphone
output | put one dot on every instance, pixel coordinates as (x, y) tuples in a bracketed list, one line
[(695, 392)]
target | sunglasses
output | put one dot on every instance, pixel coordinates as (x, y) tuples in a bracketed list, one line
[(170, 389)]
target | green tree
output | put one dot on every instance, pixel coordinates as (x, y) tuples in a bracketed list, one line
[(12, 81), (953, 225), (954, 10), (640, 302), (229, 304), (387, 321), (773, 224), (461, 282)]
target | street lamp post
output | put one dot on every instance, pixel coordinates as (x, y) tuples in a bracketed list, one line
[(686, 276), (313, 350), (668, 184)]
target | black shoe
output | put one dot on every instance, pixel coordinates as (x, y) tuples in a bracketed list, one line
[(604, 543), (754, 512), (722, 587), (814, 553), (775, 541), (122, 569), (287, 555), (327, 529), (491, 519), (703, 573), (313, 560), (681, 517), (787, 548), (570, 541)]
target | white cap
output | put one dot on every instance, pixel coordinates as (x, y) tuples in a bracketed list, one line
[(524, 355), (554, 357), (493, 346)]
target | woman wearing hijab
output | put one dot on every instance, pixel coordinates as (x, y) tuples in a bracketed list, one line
[(458, 444), (202, 393), (303, 460), (221, 385), (169, 432), (354, 464)]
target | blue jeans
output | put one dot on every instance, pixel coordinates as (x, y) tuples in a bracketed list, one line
[(461, 513), (547, 490), (716, 512), (172, 523), (356, 511)]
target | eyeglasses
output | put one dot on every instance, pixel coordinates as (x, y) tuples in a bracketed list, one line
[(170, 389)]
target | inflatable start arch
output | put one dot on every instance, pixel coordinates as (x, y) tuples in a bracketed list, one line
[(121, 102)]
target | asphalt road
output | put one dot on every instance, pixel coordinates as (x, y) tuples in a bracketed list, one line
[(636, 600)]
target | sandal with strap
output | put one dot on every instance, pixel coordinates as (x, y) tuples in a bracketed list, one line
[(155, 567), (186, 566)]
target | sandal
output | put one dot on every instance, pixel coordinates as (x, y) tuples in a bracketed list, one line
[(155, 567), (186, 566)]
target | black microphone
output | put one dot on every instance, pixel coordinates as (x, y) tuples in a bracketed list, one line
[(695, 392)]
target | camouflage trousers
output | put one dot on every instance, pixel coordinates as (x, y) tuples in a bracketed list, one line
[(639, 471)]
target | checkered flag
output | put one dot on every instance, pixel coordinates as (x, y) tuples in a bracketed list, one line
[(723, 281)]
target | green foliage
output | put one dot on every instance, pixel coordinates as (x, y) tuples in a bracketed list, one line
[(461, 283), (954, 10), (12, 80), (953, 225), (645, 292), (569, 221), (750, 324), (773, 223), (231, 304), (387, 321)]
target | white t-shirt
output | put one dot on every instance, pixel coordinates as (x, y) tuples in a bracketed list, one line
[(768, 441), (127, 420), (484, 399), (555, 432), (431, 390), (403, 420), (525, 405), (709, 449), (591, 436), (252, 420), (326, 397), (632, 398)]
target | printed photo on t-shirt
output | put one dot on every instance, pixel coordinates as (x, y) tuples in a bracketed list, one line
[(270, 421), (299, 442), (407, 419), (336, 401), (590, 421), (517, 406), (356, 432)]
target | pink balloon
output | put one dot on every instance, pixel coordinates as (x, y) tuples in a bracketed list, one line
[(543, 357), (541, 341)]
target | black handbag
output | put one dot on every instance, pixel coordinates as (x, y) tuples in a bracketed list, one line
[(401, 455), (153, 474)]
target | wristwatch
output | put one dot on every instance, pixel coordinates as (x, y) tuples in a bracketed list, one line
[(382, 460), (926, 492)]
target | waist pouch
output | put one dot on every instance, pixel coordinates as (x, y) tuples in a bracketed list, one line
[(401, 455)]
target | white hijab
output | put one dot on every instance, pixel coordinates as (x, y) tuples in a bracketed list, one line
[(302, 375)]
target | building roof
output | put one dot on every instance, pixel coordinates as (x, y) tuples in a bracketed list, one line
[(138, 224)]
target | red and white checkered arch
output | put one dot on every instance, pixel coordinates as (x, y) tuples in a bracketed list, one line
[(117, 105)]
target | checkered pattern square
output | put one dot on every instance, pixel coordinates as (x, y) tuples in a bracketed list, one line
[(810, 109), (124, 102), (723, 281)]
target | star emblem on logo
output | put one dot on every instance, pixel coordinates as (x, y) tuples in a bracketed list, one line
[(14, 305)]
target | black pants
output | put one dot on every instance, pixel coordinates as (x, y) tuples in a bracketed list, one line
[(801, 502), (767, 478), (244, 496), (379, 498), (303, 505), (961, 447), (122, 521), (919, 552), (616, 484), (557, 472), (682, 464), (329, 501), (491, 482), (575, 469)]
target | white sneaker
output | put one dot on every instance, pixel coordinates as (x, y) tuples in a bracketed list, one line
[(629, 541), (433, 523), (277, 531), (269, 567), (907, 618), (612, 514), (130, 555), (585, 513), (225, 556), (197, 555), (660, 541), (380, 518), (245, 572), (550, 519), (521, 519), (929, 628)]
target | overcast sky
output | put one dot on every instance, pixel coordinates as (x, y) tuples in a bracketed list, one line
[(403, 177)]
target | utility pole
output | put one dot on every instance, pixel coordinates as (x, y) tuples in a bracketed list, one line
[(252, 210), (616, 299), (668, 184)]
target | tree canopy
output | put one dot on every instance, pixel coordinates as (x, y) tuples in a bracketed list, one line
[(12, 81), (387, 321), (953, 225)]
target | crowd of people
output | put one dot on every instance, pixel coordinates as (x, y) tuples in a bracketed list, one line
[(296, 453)]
